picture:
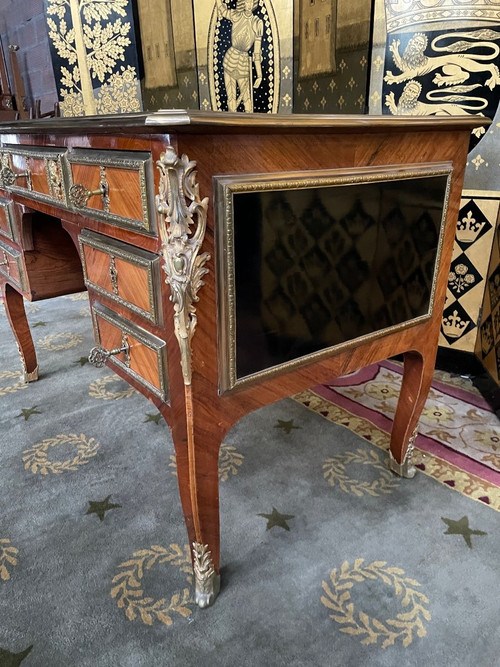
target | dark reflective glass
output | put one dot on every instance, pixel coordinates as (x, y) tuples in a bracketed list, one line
[(321, 266)]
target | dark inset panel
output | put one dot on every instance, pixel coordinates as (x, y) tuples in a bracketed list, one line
[(317, 267)]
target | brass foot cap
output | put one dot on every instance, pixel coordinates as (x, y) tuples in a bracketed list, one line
[(404, 469)]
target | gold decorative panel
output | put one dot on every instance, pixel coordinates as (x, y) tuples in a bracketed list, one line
[(331, 55), (442, 57), (94, 56), (244, 54), (488, 339), (168, 53)]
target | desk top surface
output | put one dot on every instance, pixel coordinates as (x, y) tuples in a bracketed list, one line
[(208, 122)]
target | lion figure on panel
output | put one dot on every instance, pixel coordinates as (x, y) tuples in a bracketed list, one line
[(456, 67), (439, 104)]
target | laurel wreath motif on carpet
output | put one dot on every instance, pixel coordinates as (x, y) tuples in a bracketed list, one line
[(18, 384), (36, 457), (372, 630), (230, 461), (334, 473), (97, 389), (8, 556), (60, 341), (130, 596)]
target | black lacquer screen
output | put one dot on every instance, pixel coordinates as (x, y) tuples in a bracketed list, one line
[(321, 266)]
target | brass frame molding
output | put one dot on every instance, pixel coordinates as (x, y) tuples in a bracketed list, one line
[(207, 582), (229, 186), (184, 267)]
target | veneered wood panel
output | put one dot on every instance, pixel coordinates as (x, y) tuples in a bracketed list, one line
[(124, 189), (38, 171), (126, 274), (6, 213), (12, 265), (144, 361)]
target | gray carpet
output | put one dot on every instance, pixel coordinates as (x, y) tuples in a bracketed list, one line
[(327, 560)]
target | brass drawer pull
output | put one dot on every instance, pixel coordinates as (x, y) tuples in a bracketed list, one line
[(9, 177), (79, 194), (99, 355)]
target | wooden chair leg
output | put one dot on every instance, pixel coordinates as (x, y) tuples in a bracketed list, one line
[(417, 378), (16, 314)]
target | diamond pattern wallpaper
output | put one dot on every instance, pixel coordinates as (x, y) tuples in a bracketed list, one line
[(488, 340), (442, 57), (469, 270)]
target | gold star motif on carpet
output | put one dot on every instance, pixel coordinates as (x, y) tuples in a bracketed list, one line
[(153, 418), (287, 426), (27, 412), (100, 507), (461, 527), (8, 659), (277, 519)]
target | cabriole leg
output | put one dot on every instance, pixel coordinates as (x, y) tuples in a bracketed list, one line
[(16, 314)]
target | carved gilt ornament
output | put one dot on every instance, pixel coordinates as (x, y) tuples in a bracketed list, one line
[(182, 230)]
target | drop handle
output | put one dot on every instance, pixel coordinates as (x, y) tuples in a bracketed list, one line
[(99, 355), (79, 194), (9, 177)]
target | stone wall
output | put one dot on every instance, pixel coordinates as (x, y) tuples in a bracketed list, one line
[(23, 23)]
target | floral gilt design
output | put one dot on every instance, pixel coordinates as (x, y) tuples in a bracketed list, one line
[(91, 38)]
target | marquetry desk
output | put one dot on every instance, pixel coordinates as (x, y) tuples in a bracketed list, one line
[(234, 259)]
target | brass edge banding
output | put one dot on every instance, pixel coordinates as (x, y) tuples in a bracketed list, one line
[(440, 243), (320, 178), (36, 152), (321, 354), (108, 158), (184, 120), (229, 185)]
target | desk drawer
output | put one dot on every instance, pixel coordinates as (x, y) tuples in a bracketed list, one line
[(36, 172), (12, 265), (146, 357), (113, 186), (7, 218), (129, 276)]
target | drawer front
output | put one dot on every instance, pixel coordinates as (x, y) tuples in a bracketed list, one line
[(7, 218), (146, 357), (114, 186), (129, 276), (35, 172), (12, 265)]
